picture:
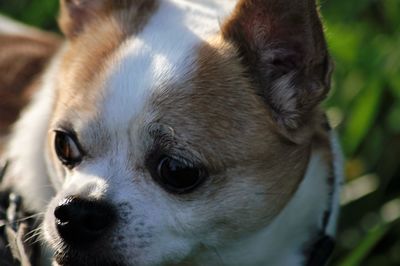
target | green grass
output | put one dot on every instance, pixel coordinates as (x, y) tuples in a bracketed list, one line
[(364, 39)]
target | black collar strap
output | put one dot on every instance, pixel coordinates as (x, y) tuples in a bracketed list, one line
[(320, 251), (16, 236)]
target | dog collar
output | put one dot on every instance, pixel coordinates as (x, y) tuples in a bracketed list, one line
[(320, 251)]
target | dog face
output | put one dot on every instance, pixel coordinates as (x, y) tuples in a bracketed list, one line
[(170, 137)]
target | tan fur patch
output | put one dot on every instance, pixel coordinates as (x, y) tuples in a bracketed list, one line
[(219, 116)]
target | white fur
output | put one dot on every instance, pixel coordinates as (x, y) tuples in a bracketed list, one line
[(161, 54)]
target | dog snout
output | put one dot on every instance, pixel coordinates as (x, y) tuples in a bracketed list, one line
[(82, 221)]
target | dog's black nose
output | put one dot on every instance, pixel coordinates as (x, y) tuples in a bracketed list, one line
[(81, 221)]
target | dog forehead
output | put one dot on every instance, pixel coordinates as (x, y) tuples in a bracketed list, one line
[(162, 55), (177, 69)]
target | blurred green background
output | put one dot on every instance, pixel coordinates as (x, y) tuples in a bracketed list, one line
[(364, 106)]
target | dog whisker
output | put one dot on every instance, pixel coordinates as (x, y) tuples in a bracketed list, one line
[(32, 235), (34, 231), (36, 237), (30, 217)]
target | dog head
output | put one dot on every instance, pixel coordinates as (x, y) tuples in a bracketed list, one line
[(171, 134)]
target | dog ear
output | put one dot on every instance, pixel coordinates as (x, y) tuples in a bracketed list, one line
[(282, 44), (75, 14)]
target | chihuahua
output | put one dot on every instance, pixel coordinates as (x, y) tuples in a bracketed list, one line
[(181, 132)]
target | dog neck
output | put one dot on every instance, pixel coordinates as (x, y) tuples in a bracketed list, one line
[(291, 237)]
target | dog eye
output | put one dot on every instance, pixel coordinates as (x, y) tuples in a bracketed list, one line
[(67, 149), (177, 177)]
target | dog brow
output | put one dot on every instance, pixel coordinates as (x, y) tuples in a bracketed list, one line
[(62, 125), (165, 140)]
